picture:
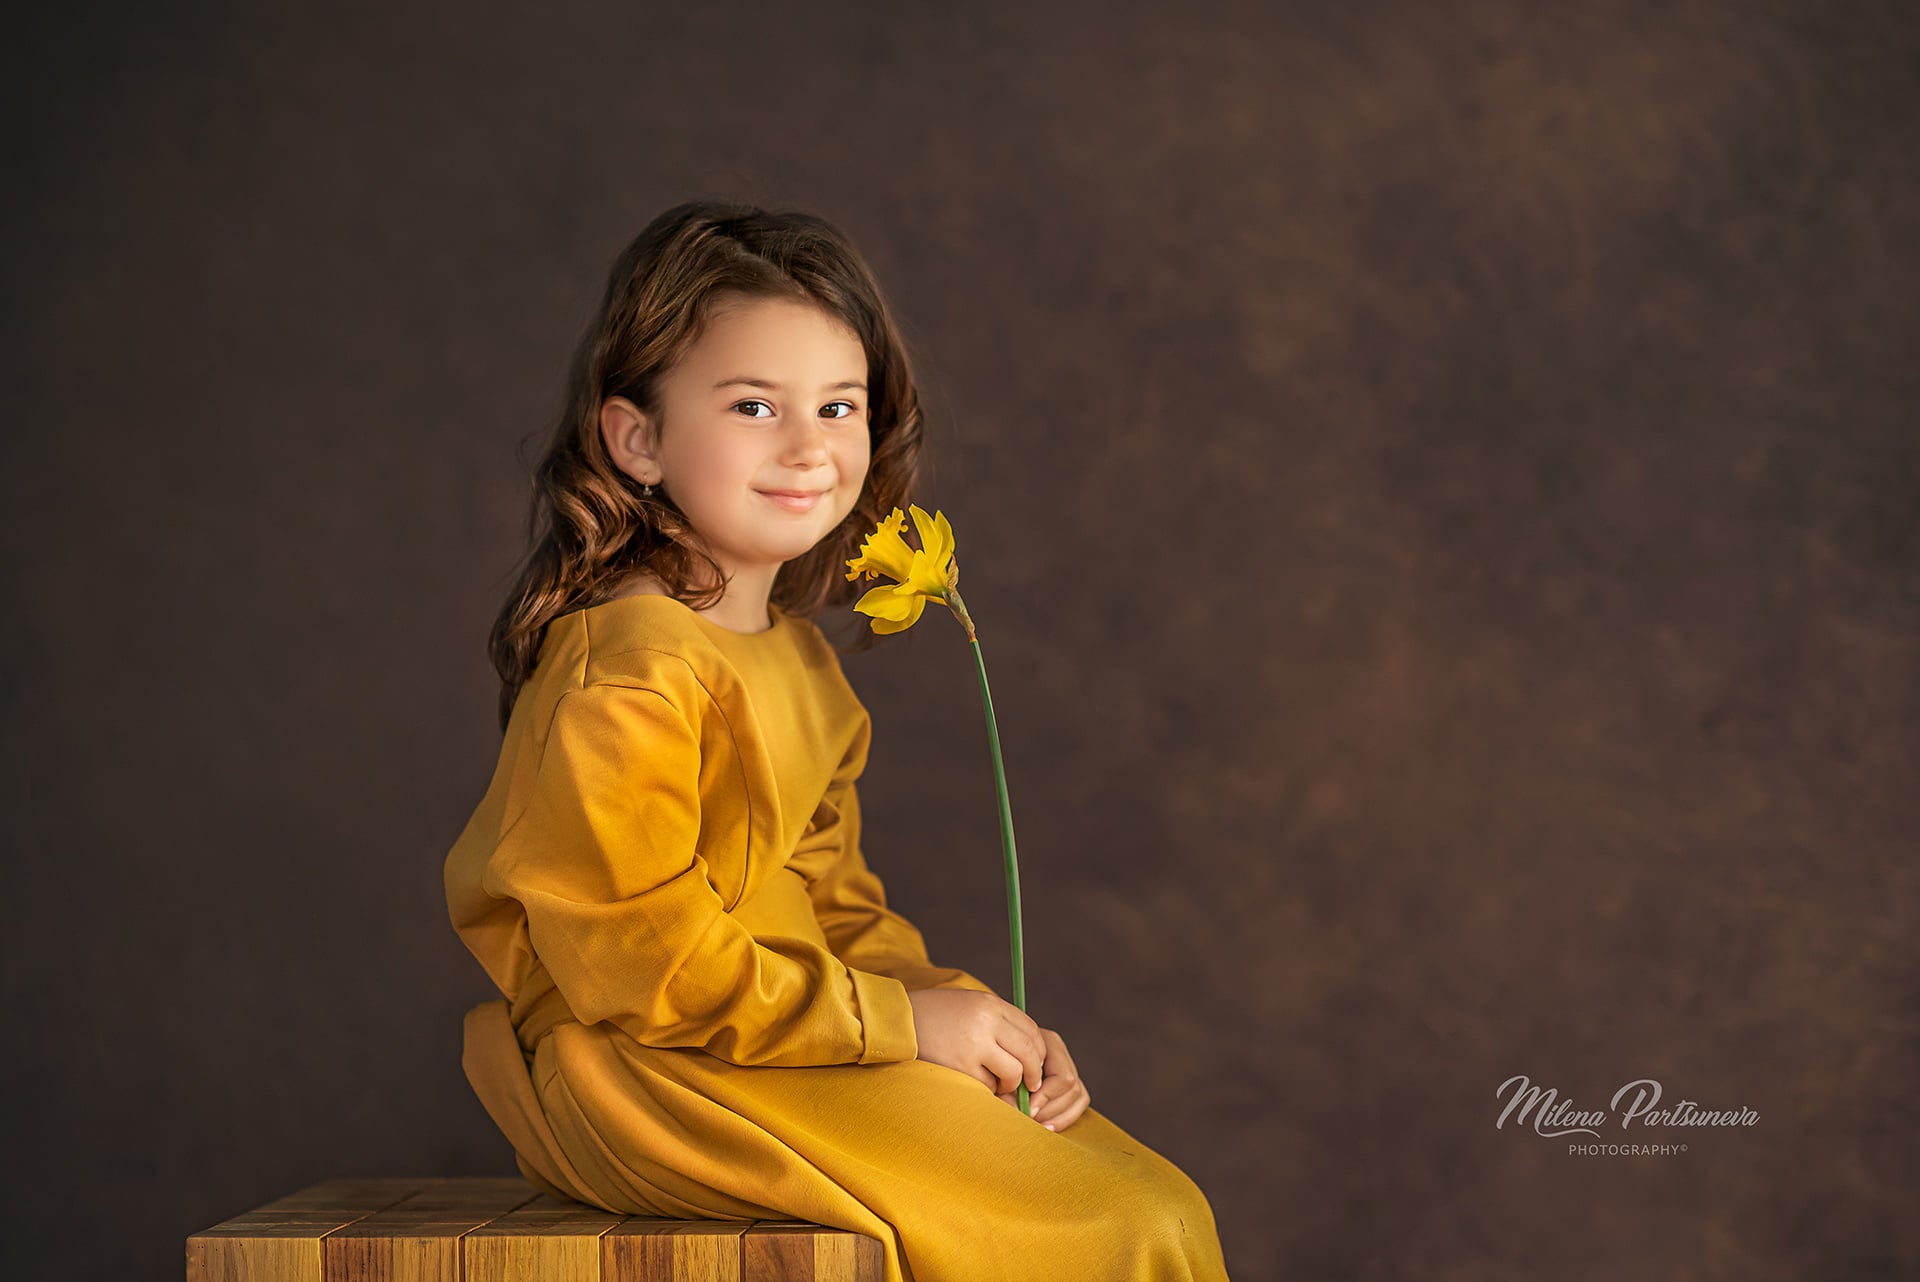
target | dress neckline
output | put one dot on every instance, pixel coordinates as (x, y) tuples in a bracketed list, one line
[(779, 616)]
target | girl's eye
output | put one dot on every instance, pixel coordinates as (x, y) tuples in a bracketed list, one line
[(851, 408)]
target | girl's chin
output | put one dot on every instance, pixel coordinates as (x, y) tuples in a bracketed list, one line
[(787, 550)]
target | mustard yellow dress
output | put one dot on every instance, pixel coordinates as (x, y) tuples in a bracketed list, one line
[(706, 1012)]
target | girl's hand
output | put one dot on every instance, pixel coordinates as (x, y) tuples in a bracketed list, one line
[(980, 1034), (1062, 1096)]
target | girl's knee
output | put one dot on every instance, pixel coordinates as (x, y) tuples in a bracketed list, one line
[(1186, 1243), (1186, 1206)]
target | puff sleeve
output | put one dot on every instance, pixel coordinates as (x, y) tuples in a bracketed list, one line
[(848, 899), (605, 861)]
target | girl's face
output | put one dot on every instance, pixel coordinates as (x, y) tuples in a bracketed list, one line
[(762, 439)]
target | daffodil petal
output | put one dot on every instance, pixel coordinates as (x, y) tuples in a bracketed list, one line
[(924, 577), (923, 523), (887, 626), (943, 537), (887, 602)]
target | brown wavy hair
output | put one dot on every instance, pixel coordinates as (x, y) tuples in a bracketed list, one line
[(591, 527)]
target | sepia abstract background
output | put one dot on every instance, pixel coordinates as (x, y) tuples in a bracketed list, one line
[(1437, 485)]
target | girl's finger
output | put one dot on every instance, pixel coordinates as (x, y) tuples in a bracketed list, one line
[(1024, 1038), (1036, 1065), (1064, 1111), (1006, 1068), (1058, 1059)]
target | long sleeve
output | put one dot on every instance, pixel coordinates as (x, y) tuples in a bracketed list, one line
[(604, 860), (848, 898)]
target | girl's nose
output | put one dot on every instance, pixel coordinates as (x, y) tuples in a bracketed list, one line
[(807, 441)]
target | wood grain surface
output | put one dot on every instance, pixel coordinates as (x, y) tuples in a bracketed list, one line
[(488, 1229)]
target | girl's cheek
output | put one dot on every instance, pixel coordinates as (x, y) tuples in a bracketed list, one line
[(854, 462)]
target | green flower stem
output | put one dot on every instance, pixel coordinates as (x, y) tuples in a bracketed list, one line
[(1006, 844)]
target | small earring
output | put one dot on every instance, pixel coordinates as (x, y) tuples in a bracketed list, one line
[(648, 491)]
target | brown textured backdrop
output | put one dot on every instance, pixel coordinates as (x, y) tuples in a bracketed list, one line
[(1438, 485)]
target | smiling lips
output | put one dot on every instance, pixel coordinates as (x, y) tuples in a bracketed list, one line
[(794, 500)]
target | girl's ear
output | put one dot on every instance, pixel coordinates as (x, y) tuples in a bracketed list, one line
[(632, 443)]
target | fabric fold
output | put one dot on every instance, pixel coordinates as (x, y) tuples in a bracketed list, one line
[(497, 1069)]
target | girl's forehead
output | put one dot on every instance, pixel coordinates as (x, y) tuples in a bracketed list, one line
[(751, 337)]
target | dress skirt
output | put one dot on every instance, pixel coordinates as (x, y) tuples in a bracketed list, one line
[(957, 1185)]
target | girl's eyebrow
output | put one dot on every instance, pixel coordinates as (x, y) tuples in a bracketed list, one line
[(774, 387)]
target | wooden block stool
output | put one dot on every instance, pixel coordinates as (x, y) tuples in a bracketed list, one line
[(503, 1230)]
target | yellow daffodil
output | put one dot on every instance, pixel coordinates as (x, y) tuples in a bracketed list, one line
[(928, 572)]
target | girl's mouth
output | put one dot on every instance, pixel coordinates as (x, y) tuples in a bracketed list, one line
[(793, 500)]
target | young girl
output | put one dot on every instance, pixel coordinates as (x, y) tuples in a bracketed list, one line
[(710, 1011)]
